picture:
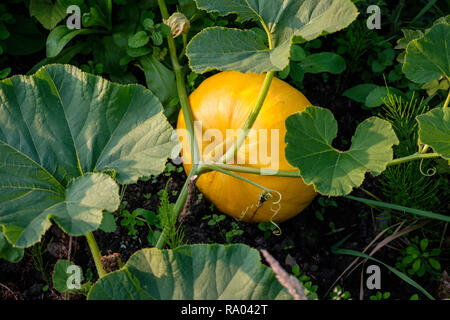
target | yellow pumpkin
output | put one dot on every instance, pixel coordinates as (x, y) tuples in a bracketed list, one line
[(223, 102)]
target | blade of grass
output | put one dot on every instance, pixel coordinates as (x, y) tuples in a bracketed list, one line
[(356, 260), (399, 274), (397, 234), (422, 213), (423, 11)]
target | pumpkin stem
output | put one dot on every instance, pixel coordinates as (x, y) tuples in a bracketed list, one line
[(232, 152)]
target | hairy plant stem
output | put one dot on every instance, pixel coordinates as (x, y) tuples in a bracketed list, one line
[(415, 156), (447, 101), (181, 88), (296, 174), (211, 167), (242, 169), (189, 120), (96, 255), (231, 153)]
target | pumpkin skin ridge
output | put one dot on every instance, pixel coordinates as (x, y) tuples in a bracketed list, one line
[(223, 101)]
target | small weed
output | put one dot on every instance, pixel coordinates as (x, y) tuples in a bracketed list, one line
[(339, 294), (175, 235), (267, 228), (310, 289), (324, 203), (234, 232), (214, 219), (130, 221), (418, 259), (380, 296), (36, 253), (170, 168), (147, 196)]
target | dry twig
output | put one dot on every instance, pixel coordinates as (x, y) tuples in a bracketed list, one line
[(291, 283)]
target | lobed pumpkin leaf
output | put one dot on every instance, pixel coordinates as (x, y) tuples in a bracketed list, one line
[(192, 272), (333, 172), (434, 130), (234, 49), (59, 129), (426, 58), (285, 21)]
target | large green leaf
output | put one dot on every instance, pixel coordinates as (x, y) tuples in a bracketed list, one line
[(58, 129), (427, 58), (48, 12), (285, 21), (234, 49), (333, 172), (193, 272), (434, 130)]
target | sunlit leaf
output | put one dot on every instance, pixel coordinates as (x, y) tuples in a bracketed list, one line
[(59, 129), (194, 272), (427, 58), (285, 21), (331, 171), (377, 96), (434, 130)]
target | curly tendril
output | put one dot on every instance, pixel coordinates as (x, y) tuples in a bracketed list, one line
[(430, 171), (275, 208)]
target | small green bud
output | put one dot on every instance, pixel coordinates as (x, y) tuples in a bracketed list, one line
[(178, 23)]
